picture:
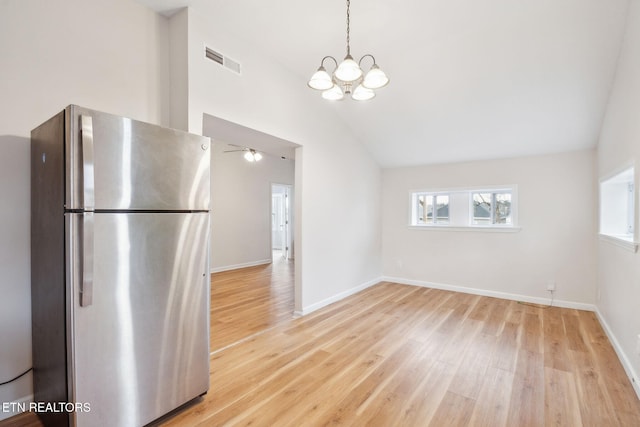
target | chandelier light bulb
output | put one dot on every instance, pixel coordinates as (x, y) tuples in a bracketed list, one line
[(249, 156), (320, 80), (257, 156), (375, 78)]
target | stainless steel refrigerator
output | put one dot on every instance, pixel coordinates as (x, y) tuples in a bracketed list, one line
[(120, 270)]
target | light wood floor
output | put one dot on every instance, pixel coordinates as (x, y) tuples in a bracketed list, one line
[(250, 300), (409, 356)]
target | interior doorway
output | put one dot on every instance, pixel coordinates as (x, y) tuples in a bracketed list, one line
[(281, 222)]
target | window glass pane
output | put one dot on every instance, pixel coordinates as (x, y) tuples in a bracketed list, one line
[(502, 213), (428, 208), (617, 205), (482, 208), (442, 209)]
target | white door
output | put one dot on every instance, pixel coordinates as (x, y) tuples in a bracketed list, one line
[(277, 221), (282, 220)]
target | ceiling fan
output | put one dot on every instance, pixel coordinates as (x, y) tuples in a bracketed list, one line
[(250, 154)]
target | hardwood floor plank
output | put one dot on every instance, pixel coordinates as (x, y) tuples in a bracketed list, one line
[(423, 403), (573, 333), (596, 408), (496, 316), (562, 406), (507, 350), (472, 371), (555, 344), (492, 405), (454, 410), (526, 405), (531, 333)]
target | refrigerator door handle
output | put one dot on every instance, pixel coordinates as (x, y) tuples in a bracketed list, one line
[(87, 162), (86, 291)]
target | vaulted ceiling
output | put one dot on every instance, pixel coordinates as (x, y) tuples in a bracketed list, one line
[(469, 80)]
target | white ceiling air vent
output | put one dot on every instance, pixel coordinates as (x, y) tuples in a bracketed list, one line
[(225, 61)]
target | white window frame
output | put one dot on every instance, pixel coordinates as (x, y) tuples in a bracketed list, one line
[(493, 193), (617, 208), (414, 208), (461, 209)]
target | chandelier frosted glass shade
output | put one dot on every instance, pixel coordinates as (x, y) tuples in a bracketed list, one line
[(348, 70), (321, 80), (362, 93), (333, 94), (375, 78)]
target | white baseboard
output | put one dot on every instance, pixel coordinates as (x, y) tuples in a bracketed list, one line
[(325, 302), (14, 405), (243, 265), (631, 373), (488, 293)]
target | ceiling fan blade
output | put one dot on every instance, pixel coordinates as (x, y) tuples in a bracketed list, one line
[(241, 147)]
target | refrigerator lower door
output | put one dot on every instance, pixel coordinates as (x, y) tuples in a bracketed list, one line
[(140, 347)]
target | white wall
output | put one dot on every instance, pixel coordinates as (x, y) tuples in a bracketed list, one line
[(110, 56), (241, 206), (619, 146), (178, 70), (556, 211), (338, 242)]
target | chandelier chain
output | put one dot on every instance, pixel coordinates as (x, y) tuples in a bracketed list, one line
[(348, 27)]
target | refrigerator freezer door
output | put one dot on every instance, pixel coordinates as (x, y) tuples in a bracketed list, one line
[(122, 164), (141, 348)]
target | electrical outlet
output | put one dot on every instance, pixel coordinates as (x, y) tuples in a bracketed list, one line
[(551, 285), (638, 346)]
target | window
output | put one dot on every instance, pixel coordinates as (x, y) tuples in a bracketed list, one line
[(429, 208), (484, 208), (617, 205), (491, 208)]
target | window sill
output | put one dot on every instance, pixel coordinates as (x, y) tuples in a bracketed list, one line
[(629, 245), (510, 229)]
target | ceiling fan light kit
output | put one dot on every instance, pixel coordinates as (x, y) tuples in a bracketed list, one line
[(348, 77), (252, 156)]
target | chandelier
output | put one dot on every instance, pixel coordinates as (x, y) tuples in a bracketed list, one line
[(348, 78)]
